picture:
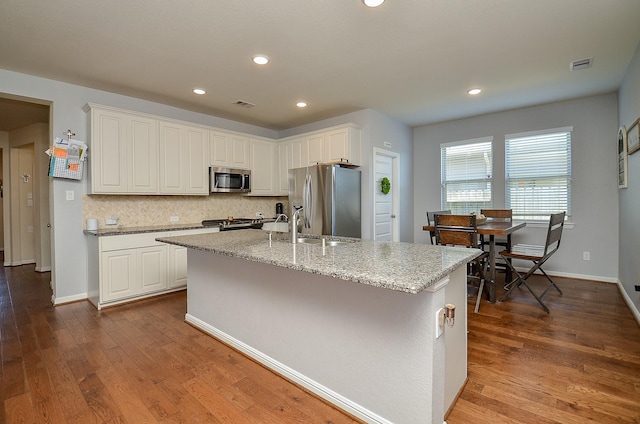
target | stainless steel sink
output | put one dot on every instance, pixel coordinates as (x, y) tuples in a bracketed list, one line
[(333, 243)]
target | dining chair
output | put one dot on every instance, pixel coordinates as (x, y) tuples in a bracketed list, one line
[(431, 221), (500, 215), (538, 255), (461, 230)]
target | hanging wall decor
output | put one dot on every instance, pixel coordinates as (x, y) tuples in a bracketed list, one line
[(622, 157), (385, 185)]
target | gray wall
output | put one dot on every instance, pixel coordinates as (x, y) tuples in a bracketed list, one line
[(629, 265), (594, 177), (69, 271)]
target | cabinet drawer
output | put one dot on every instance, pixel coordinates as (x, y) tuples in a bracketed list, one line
[(130, 241), (191, 232)]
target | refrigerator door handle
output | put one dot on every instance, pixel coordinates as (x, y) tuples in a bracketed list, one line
[(307, 202)]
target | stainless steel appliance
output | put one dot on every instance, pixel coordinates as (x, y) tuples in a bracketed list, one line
[(330, 198), (227, 180), (233, 223)]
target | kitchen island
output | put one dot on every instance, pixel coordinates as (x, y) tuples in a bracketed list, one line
[(354, 323)]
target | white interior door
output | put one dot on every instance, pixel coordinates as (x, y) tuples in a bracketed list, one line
[(386, 218)]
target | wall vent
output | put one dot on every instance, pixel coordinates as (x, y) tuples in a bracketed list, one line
[(579, 64), (243, 104)]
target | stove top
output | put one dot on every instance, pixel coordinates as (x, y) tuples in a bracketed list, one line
[(233, 223)]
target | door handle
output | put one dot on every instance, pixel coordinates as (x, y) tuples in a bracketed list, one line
[(393, 216)]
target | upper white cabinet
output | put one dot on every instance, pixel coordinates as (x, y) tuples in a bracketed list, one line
[(184, 159), (263, 168), (124, 152), (229, 150), (335, 144)]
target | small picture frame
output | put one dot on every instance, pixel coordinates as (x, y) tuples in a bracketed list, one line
[(622, 157), (633, 137)]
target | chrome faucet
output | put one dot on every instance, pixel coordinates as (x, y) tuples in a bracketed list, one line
[(294, 226)]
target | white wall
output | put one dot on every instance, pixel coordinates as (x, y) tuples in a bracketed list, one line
[(594, 176), (629, 265)]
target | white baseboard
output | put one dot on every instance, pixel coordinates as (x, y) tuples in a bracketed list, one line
[(43, 269), (18, 263), (571, 275), (68, 299), (290, 374), (630, 304)]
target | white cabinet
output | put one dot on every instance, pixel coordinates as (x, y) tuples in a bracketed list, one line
[(184, 159), (124, 152), (127, 267), (330, 145), (263, 168), (177, 271), (342, 144), (229, 150)]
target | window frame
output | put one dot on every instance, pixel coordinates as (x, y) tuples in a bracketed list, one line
[(539, 216), (443, 171)]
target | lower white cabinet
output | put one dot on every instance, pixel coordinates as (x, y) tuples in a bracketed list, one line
[(127, 267)]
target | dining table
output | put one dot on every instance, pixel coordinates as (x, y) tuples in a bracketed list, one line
[(492, 228)]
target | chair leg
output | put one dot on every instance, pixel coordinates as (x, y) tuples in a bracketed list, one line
[(552, 283), (479, 297)]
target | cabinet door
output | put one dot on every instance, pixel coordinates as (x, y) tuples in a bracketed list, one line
[(315, 146), (172, 159), (152, 271), (229, 150), (196, 168), (108, 156), (285, 151), (142, 155), (263, 162), (184, 159), (119, 279), (337, 145), (177, 266)]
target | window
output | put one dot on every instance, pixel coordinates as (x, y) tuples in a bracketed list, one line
[(467, 169), (538, 173)]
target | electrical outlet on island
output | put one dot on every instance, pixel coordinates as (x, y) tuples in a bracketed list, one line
[(174, 219)]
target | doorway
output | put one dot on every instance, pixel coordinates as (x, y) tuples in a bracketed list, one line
[(386, 218), (24, 136)]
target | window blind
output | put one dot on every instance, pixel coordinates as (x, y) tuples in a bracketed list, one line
[(467, 169), (538, 174)]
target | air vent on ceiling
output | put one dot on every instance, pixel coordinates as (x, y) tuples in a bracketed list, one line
[(243, 104), (579, 64)]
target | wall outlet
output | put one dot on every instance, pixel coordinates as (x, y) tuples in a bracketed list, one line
[(111, 221), (71, 195), (586, 256), (174, 219)]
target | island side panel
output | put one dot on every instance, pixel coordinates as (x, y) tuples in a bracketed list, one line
[(373, 348)]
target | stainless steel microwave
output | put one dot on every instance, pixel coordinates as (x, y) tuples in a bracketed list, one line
[(227, 180)]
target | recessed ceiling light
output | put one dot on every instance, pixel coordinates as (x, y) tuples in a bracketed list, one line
[(373, 3), (260, 59), (301, 104), (475, 91), (199, 91)]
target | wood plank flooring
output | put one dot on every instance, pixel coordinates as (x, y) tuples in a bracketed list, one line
[(140, 363)]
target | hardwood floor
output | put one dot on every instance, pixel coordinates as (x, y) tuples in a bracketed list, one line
[(578, 364), (140, 363)]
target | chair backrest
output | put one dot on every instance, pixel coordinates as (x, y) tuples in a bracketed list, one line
[(431, 221), (456, 230), (505, 215), (554, 233)]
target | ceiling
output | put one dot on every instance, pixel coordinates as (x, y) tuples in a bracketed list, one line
[(412, 60)]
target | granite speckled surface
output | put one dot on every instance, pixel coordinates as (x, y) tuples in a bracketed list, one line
[(119, 230), (405, 267)]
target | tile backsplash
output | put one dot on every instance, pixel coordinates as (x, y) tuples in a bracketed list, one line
[(140, 211)]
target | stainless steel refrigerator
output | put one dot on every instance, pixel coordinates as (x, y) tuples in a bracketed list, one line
[(330, 197)]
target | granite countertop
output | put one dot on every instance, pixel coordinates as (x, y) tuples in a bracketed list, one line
[(118, 231), (405, 267)]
